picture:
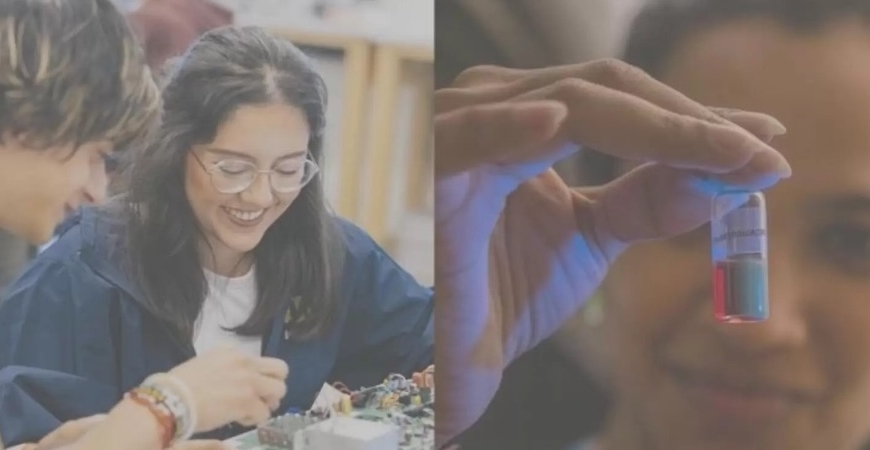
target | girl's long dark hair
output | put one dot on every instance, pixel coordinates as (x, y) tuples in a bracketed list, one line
[(301, 253)]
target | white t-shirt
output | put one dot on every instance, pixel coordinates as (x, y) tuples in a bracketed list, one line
[(228, 303)]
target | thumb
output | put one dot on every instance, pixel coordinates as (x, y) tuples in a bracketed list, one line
[(652, 201), (655, 201)]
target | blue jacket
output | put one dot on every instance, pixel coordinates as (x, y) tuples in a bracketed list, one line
[(74, 336)]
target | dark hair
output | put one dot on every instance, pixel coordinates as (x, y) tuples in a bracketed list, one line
[(299, 255), (664, 24), (73, 72)]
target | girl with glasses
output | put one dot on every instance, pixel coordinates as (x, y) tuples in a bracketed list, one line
[(221, 236)]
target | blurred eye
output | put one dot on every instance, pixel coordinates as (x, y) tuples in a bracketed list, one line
[(233, 167), (112, 162), (290, 168), (846, 246)]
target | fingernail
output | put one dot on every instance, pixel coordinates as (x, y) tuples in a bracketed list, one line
[(763, 171), (731, 140), (783, 167), (773, 128), (766, 127), (771, 159)]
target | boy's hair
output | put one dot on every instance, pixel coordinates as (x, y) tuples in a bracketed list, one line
[(663, 25), (71, 71)]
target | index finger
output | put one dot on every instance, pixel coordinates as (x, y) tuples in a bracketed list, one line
[(507, 83), (611, 73), (629, 127), (627, 110)]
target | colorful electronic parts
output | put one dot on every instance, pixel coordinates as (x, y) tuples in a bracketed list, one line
[(398, 404), (427, 395), (426, 378)]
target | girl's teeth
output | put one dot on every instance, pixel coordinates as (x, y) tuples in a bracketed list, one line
[(245, 215)]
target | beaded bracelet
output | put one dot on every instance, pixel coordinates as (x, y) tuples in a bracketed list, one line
[(179, 400), (152, 400), (171, 403)]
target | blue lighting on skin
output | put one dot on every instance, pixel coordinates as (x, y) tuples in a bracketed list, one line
[(712, 187), (553, 276), (574, 272)]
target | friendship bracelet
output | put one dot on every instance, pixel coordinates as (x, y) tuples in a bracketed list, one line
[(151, 400), (178, 399)]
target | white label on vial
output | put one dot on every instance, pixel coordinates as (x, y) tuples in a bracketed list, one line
[(742, 232)]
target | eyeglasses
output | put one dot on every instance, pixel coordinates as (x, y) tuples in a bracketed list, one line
[(232, 176)]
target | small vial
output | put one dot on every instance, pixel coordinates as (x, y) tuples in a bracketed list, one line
[(739, 251)]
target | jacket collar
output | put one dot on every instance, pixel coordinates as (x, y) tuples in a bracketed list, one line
[(105, 256), (100, 245)]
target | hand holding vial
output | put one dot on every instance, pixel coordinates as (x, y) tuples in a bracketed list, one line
[(518, 251)]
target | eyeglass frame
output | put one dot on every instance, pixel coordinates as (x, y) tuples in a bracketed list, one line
[(258, 172)]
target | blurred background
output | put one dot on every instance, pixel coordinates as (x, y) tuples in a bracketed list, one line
[(376, 58)]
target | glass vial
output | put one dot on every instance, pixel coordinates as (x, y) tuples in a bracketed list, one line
[(739, 251)]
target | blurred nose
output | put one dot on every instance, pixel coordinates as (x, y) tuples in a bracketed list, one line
[(259, 192), (786, 327), (98, 184)]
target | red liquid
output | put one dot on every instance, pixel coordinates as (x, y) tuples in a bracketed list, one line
[(740, 290)]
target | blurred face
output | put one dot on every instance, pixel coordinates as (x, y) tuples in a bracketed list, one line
[(800, 380), (242, 182), (41, 187)]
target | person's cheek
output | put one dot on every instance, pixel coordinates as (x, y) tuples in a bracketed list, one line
[(652, 291)]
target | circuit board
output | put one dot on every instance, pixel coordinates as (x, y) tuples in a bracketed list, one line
[(249, 441), (405, 404)]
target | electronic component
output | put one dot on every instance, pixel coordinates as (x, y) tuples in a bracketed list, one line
[(400, 411), (279, 432), (739, 252), (347, 433)]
